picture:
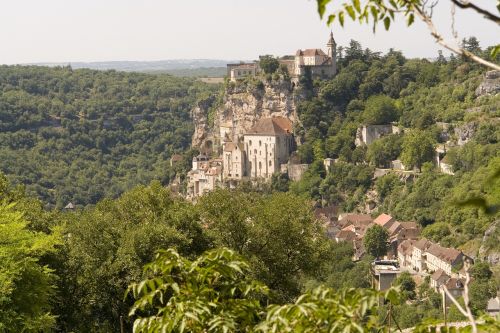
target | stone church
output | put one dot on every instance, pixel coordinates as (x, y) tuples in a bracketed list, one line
[(261, 152)]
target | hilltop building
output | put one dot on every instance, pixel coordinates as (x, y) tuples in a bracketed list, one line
[(319, 63)]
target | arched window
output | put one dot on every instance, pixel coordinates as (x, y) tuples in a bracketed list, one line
[(250, 142), (255, 151), (260, 143), (260, 165), (270, 163)]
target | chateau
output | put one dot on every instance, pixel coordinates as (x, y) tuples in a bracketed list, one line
[(319, 63)]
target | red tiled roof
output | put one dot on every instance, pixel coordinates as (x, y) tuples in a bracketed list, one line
[(439, 274), (396, 227), (311, 52), (422, 244), (383, 219), (346, 235), (355, 219), (176, 158), (448, 255), (272, 126)]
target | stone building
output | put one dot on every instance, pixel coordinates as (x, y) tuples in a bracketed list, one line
[(240, 71), (205, 176), (233, 158), (319, 63), (268, 145), (316, 61), (367, 134)]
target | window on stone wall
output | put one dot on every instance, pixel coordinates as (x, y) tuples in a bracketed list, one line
[(255, 151), (250, 142), (260, 143), (260, 165), (270, 163)]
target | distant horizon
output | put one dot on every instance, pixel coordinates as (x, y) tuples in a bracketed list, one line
[(129, 30)]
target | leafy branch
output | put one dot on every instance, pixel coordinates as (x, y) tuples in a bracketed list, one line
[(386, 10)]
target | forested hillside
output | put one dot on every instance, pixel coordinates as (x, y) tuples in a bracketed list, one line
[(82, 135), (433, 104)]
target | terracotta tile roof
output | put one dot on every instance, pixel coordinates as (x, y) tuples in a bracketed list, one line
[(409, 225), (439, 274), (346, 235), (231, 146), (454, 283), (448, 255), (383, 219), (355, 219), (272, 126), (311, 52), (395, 228), (422, 244)]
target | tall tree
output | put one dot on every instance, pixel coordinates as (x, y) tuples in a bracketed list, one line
[(376, 241), (26, 286), (418, 148)]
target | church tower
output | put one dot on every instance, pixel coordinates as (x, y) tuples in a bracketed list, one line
[(332, 52)]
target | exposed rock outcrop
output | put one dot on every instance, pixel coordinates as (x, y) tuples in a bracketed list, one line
[(199, 114), (242, 106), (465, 132), (490, 84), (489, 255)]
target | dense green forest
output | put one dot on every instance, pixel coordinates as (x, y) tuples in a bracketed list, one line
[(82, 135)]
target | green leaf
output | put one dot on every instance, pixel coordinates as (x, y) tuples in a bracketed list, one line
[(387, 23), (322, 7), (351, 12), (357, 5), (341, 18), (331, 18), (495, 51), (411, 18)]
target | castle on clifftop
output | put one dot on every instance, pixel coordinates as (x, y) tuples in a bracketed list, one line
[(320, 64)]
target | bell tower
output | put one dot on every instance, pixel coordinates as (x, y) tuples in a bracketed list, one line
[(332, 52)]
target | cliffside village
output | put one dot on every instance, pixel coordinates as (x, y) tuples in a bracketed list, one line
[(267, 148)]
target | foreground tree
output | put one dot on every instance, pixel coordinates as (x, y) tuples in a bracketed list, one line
[(386, 11), (278, 233), (211, 294), (375, 241), (215, 293), (26, 286)]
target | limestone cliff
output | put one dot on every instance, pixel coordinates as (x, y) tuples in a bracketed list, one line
[(490, 84), (242, 105)]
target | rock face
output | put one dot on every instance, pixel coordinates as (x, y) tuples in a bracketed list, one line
[(199, 114), (492, 257), (490, 84), (465, 132), (242, 106)]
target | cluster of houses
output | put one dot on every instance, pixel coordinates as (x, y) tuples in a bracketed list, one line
[(352, 228), (407, 251)]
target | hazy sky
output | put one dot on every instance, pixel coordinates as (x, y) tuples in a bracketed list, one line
[(103, 30)]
